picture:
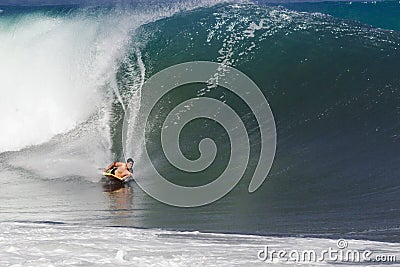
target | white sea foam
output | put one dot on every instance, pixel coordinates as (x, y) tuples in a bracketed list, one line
[(66, 245), (55, 71)]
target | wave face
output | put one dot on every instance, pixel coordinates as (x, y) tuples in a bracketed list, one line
[(367, 12), (333, 87)]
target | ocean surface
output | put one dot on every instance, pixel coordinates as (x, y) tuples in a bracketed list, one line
[(331, 75)]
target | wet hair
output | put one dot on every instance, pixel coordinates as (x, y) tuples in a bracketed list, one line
[(130, 160)]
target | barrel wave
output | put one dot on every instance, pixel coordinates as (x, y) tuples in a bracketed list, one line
[(69, 73)]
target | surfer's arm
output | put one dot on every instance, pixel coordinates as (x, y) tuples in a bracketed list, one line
[(112, 165), (127, 176)]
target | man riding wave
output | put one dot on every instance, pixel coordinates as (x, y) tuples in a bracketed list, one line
[(121, 169)]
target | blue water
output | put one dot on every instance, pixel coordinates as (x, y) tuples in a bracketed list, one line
[(379, 14), (330, 72)]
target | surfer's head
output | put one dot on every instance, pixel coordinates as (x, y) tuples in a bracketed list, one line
[(129, 163)]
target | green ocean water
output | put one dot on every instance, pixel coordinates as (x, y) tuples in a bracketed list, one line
[(332, 82), (379, 14)]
